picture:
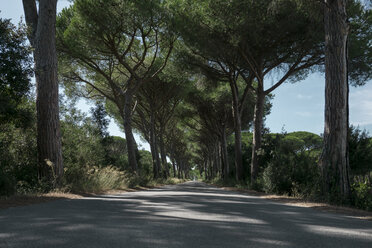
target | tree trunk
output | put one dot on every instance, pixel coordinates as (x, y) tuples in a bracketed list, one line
[(127, 122), (237, 132), (205, 170), (154, 165), (174, 168), (163, 155), (173, 162), (257, 133), (42, 39), (334, 157), (225, 157), (215, 162), (218, 159), (154, 149), (179, 168)]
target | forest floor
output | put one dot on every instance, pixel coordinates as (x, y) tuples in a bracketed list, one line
[(300, 202)]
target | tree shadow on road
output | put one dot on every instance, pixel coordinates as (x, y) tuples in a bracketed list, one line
[(187, 215)]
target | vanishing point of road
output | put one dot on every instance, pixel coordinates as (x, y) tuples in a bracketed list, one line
[(186, 215)]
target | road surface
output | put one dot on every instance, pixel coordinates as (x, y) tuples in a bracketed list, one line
[(186, 215)]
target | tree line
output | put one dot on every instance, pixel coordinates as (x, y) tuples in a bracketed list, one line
[(189, 76)]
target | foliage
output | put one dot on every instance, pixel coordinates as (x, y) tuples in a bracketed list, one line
[(359, 45), (80, 141), (360, 151), (95, 179), (15, 73), (290, 167), (99, 116), (288, 162), (89, 157), (361, 189), (18, 167)]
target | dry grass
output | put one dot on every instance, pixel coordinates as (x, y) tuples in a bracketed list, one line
[(24, 200)]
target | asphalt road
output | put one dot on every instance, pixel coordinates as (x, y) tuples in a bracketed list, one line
[(186, 215)]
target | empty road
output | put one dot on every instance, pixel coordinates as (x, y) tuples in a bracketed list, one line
[(186, 215)]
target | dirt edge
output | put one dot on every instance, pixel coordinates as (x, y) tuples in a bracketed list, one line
[(299, 202)]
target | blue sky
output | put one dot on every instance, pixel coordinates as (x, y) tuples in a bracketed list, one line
[(296, 107)]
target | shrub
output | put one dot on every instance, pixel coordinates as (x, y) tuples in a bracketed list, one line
[(361, 190), (18, 159), (289, 165), (276, 178), (95, 179), (360, 151)]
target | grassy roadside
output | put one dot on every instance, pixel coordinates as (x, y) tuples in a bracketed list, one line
[(35, 198), (300, 202)]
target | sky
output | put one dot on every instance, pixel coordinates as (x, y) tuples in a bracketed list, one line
[(296, 106)]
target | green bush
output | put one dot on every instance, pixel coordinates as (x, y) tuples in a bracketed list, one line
[(290, 164), (276, 179), (361, 189), (18, 159), (360, 151)]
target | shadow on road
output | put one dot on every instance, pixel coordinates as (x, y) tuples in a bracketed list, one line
[(185, 215)]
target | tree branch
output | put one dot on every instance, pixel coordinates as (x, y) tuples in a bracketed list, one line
[(31, 16)]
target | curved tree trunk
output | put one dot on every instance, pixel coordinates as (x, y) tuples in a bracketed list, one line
[(42, 39), (257, 133), (131, 142), (334, 157)]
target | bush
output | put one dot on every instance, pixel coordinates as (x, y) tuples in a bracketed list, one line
[(276, 179), (290, 165), (360, 151), (18, 159), (95, 179), (361, 190), (7, 183)]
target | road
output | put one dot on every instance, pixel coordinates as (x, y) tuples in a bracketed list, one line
[(185, 215)]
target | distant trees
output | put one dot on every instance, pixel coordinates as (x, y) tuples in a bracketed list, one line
[(218, 60), (251, 40), (121, 61), (158, 101), (270, 43), (41, 20)]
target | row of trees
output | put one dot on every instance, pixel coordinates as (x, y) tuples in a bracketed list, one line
[(186, 75)]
